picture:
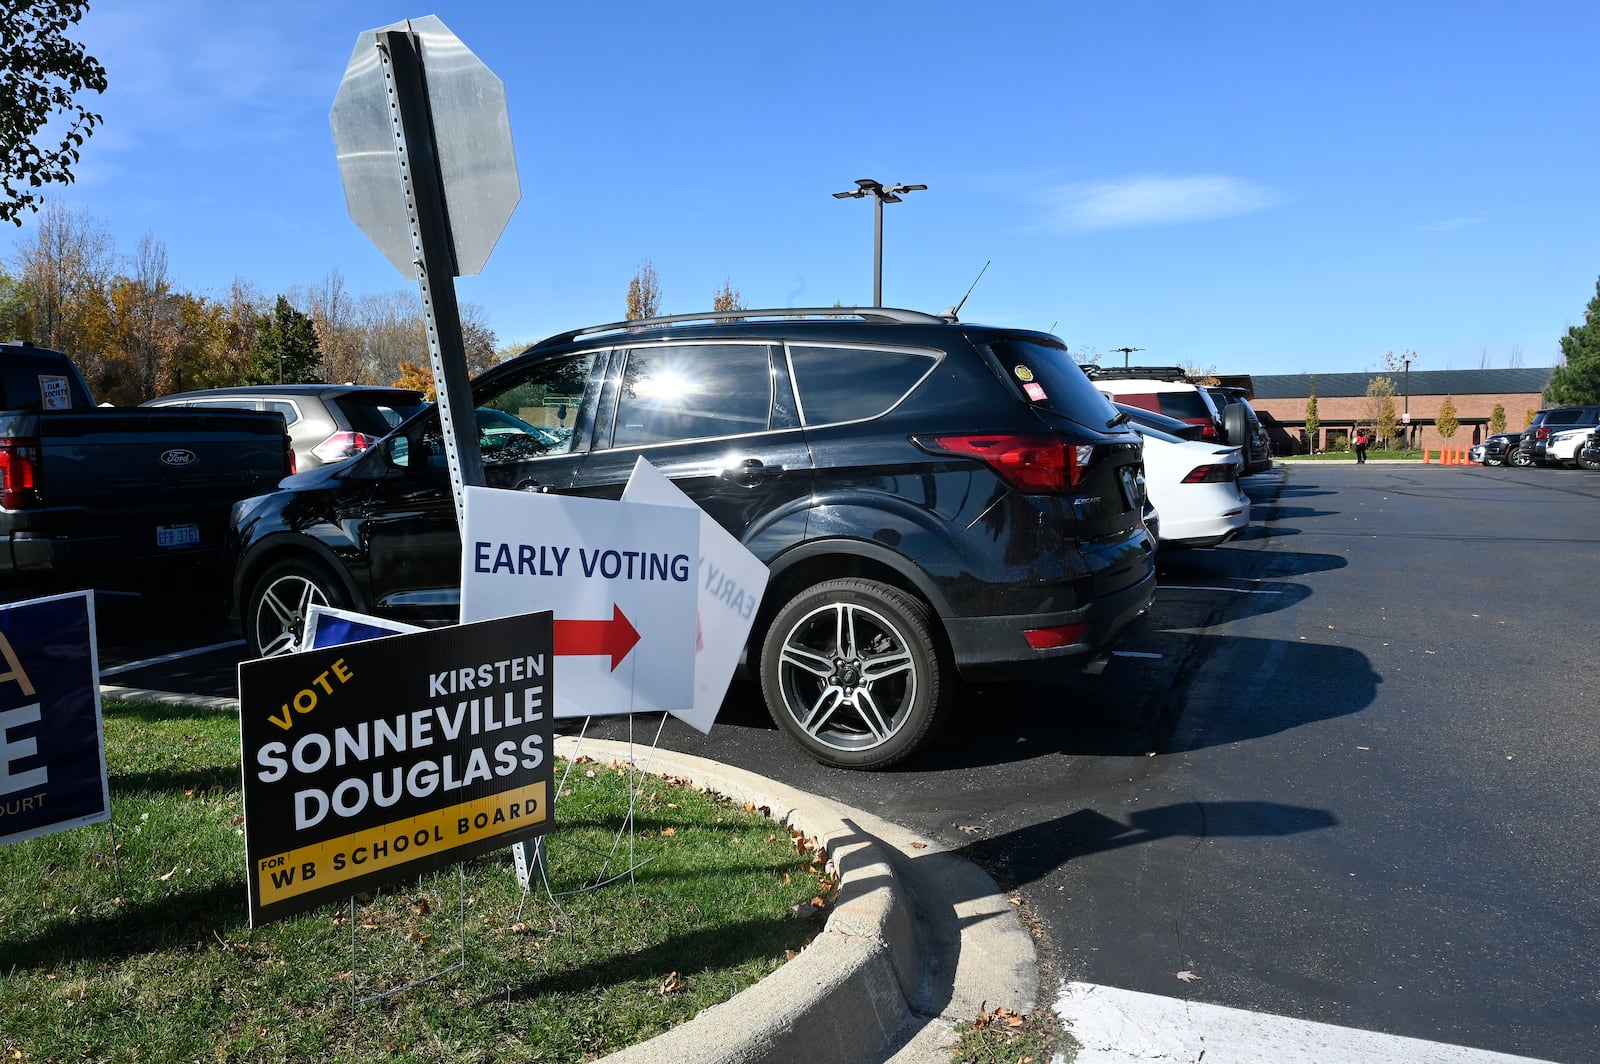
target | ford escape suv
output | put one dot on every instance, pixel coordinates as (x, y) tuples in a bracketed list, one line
[(933, 499)]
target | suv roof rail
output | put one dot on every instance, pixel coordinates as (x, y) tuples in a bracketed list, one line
[(877, 314), (1122, 373)]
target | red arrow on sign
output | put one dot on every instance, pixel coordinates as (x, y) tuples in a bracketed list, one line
[(615, 637)]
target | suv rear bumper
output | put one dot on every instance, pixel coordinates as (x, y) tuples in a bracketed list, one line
[(984, 646)]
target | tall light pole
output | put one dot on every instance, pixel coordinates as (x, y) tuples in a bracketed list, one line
[(882, 194), (1406, 415)]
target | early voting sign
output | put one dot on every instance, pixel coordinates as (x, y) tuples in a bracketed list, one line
[(620, 578), (379, 760), (729, 584), (52, 757)]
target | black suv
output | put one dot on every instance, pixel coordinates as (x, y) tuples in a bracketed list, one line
[(932, 498), (1536, 436)]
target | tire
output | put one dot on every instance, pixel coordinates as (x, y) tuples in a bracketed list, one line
[(853, 671), (275, 613), (1518, 458), (1587, 463), (1236, 429)]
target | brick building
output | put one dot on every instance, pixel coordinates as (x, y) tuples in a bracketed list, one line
[(1342, 402)]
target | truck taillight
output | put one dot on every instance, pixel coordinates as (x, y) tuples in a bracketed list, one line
[(290, 462), (19, 473), (1030, 463)]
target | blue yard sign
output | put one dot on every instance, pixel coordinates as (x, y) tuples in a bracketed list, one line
[(52, 757)]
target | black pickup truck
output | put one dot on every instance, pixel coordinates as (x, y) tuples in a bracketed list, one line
[(120, 497)]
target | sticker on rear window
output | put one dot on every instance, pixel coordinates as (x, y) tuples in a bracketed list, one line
[(1023, 373), (1035, 391)]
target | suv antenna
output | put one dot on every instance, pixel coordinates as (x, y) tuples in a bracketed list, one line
[(955, 310), (1126, 351)]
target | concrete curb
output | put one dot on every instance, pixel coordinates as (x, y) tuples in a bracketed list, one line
[(919, 939)]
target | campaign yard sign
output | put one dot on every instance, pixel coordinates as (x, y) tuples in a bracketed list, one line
[(619, 577), (52, 753), (379, 760)]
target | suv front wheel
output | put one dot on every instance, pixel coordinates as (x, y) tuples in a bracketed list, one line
[(852, 670), (275, 618)]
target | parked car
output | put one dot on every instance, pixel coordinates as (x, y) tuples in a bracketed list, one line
[(117, 497), (1475, 454), (1242, 428), (1195, 487), (327, 422), (1536, 437), (1163, 389), (1562, 446), (952, 498), (1501, 449), (1589, 453)]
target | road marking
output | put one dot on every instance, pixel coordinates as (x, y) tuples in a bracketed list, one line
[(1127, 1027), (118, 669), (1235, 590)]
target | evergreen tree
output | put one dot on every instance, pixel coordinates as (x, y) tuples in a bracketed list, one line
[(1577, 379), (286, 347)]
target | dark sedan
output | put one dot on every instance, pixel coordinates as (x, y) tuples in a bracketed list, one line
[(1501, 449)]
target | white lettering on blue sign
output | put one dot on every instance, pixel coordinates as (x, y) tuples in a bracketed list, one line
[(13, 750)]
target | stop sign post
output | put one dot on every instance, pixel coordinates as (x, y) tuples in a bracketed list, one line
[(424, 144)]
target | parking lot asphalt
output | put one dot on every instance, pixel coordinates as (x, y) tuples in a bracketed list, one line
[(1343, 777)]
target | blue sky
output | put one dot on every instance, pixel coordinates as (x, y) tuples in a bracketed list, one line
[(1261, 187)]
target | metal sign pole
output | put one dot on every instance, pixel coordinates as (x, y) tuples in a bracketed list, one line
[(435, 261)]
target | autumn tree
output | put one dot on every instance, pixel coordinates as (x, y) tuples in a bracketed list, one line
[(727, 298), (1378, 410), (1313, 422), (1448, 421), (66, 269), (1577, 380), (286, 347), (332, 313), (13, 301), (644, 293), (1497, 418), (43, 72)]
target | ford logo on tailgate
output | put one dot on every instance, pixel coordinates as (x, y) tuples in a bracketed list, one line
[(178, 456)]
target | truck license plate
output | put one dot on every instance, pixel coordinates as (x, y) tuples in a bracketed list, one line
[(177, 535)]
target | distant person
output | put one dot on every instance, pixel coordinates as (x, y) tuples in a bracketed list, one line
[(1363, 440)]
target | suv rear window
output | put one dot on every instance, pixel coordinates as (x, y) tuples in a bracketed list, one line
[(1062, 388), (852, 383), (1186, 405), (375, 415)]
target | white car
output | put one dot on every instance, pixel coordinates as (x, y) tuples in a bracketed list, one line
[(1195, 487), (1564, 445)]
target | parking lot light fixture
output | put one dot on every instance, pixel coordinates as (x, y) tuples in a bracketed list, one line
[(881, 194)]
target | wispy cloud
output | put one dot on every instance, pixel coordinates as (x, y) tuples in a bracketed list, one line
[(1154, 200), (1448, 224)]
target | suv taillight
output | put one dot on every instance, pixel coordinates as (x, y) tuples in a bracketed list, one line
[(1209, 431), (343, 445), (19, 472), (1035, 464), (291, 461), (1542, 432)]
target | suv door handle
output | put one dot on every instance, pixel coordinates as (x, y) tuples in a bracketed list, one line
[(751, 471)]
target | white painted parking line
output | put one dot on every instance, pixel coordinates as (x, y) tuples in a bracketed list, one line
[(1235, 590), (1127, 1027), (178, 656)]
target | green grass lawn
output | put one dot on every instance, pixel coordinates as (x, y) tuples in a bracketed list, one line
[(130, 941)]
